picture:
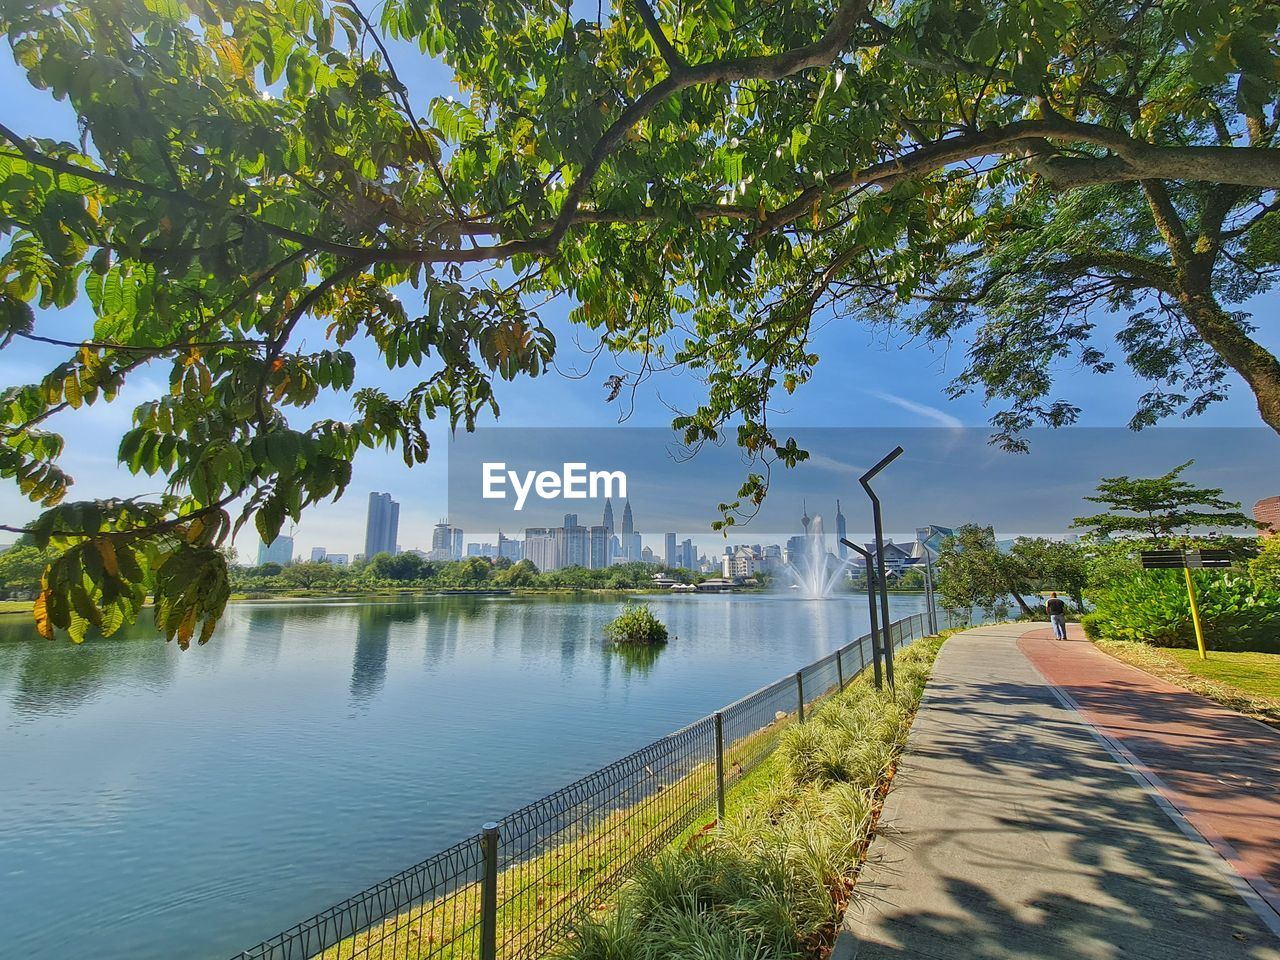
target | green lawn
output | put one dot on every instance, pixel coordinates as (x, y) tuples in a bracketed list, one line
[(1257, 673)]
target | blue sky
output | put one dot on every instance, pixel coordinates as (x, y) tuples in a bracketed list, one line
[(865, 379)]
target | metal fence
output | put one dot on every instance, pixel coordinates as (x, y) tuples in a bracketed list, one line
[(513, 889)]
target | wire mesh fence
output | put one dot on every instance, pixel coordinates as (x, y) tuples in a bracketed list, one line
[(512, 890)]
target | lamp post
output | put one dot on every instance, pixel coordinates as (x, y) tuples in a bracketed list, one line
[(928, 590), (871, 606), (878, 522)]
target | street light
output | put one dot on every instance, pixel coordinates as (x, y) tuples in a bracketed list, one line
[(871, 606), (878, 522)]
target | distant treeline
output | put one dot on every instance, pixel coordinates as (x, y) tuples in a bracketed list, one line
[(411, 570)]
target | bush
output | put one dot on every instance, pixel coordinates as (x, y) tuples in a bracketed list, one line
[(636, 624), (772, 882), (1153, 607)]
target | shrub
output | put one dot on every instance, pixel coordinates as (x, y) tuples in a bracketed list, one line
[(1265, 567), (636, 624), (772, 882), (1152, 607)]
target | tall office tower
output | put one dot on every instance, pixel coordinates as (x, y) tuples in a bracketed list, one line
[(840, 532), (456, 551), (688, 555), (442, 541), (513, 550), (541, 549), (608, 515), (280, 551), (632, 546), (575, 543), (628, 525), (382, 526), (318, 554), (669, 554), (599, 557)]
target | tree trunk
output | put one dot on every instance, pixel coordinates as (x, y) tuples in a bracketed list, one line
[(1022, 604), (1259, 368)]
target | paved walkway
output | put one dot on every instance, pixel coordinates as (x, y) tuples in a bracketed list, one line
[(1016, 829)]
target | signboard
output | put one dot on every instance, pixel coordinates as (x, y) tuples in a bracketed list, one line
[(1184, 559)]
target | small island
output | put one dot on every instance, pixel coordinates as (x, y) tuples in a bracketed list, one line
[(636, 625)]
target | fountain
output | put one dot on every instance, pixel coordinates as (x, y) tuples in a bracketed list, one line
[(816, 572)]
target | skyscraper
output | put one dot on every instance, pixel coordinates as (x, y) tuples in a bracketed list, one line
[(279, 551), (608, 515), (840, 532), (600, 554), (382, 526), (670, 557), (541, 548), (628, 525)]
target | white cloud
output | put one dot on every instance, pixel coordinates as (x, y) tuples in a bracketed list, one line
[(940, 417)]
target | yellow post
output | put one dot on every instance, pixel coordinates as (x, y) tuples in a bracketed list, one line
[(1195, 613)]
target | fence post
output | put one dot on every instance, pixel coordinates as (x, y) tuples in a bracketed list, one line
[(840, 668), (800, 692), (719, 767), (489, 894)]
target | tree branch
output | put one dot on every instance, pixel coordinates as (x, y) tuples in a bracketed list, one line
[(674, 61)]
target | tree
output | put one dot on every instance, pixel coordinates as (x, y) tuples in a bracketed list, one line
[(310, 574), (1053, 565), (974, 572), (701, 179), (21, 567), (1264, 569), (523, 573), (403, 566), (1158, 508)]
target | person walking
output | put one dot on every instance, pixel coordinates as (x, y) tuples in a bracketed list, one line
[(1057, 615)]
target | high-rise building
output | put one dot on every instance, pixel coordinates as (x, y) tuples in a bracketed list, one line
[(318, 554), (570, 519), (446, 542), (632, 547), (688, 555), (541, 548), (511, 549), (646, 556), (841, 549), (575, 543), (337, 559), (382, 526), (669, 554), (607, 522), (600, 556), (628, 524), (279, 551)]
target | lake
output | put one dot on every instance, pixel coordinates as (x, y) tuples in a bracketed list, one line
[(158, 803)]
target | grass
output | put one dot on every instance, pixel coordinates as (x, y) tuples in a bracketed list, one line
[(539, 897), (16, 607), (774, 880), (1248, 683)]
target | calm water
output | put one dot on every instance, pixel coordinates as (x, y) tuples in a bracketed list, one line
[(156, 803)]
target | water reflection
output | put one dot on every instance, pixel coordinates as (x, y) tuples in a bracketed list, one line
[(518, 696), (58, 677), (638, 658)]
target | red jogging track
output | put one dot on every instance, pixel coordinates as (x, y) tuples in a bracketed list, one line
[(1219, 769)]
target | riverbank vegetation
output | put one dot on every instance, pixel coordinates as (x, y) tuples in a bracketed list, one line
[(636, 626), (408, 571), (774, 880)]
